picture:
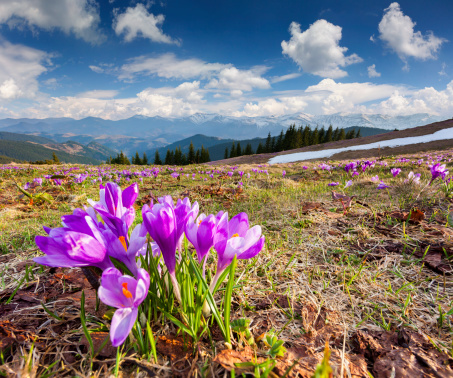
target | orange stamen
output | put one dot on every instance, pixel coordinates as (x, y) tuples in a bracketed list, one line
[(122, 239), (235, 235), (126, 292)]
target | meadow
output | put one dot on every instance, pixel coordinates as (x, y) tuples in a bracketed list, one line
[(351, 279)]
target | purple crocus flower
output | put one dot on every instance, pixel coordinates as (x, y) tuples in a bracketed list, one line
[(235, 237), (38, 181), (350, 166), (382, 186), (126, 294), (116, 207), (395, 171), (126, 250), (161, 223), (201, 234), (413, 177), (283, 173), (79, 243), (333, 184), (348, 184), (183, 210), (375, 178), (438, 170)]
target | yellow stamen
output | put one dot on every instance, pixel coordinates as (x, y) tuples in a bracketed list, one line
[(126, 292), (235, 235), (199, 222), (122, 239)]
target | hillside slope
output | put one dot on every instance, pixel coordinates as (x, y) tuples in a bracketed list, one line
[(32, 152), (417, 131)]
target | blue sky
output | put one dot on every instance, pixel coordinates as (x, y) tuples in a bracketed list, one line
[(114, 59)]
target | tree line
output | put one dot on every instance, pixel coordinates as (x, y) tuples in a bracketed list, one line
[(293, 138), (176, 157)]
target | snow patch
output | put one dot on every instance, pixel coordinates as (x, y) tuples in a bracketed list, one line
[(300, 156)]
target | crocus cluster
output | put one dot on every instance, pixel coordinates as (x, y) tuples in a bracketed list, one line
[(438, 170), (102, 234)]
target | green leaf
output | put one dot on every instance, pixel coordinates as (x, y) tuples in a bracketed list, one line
[(179, 323), (450, 219), (209, 298), (228, 296), (83, 320)]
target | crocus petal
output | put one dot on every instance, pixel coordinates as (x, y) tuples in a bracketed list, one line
[(205, 236), (221, 237), (253, 250), (141, 290), (191, 232), (129, 195), (112, 193), (239, 224), (122, 322), (82, 249), (161, 225)]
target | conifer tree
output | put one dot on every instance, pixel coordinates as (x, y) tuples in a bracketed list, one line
[(168, 158), (183, 160), (274, 141), (202, 155), (268, 145), (350, 134), (225, 155), (157, 160), (197, 156), (341, 135), (336, 134), (191, 154), (248, 149), (279, 143), (322, 134), (315, 136), (136, 159), (144, 159), (233, 152), (306, 136), (238, 149), (208, 158), (358, 135), (329, 134), (177, 156), (259, 149)]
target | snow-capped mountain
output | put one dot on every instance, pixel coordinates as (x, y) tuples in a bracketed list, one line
[(169, 130)]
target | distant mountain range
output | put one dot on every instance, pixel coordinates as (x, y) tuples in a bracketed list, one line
[(216, 146), (146, 134), (20, 147)]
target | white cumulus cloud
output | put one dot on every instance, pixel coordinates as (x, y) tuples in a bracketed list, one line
[(138, 22), (397, 31), (77, 17), (20, 67), (372, 71), (317, 50), (170, 67), (426, 100), (235, 80)]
